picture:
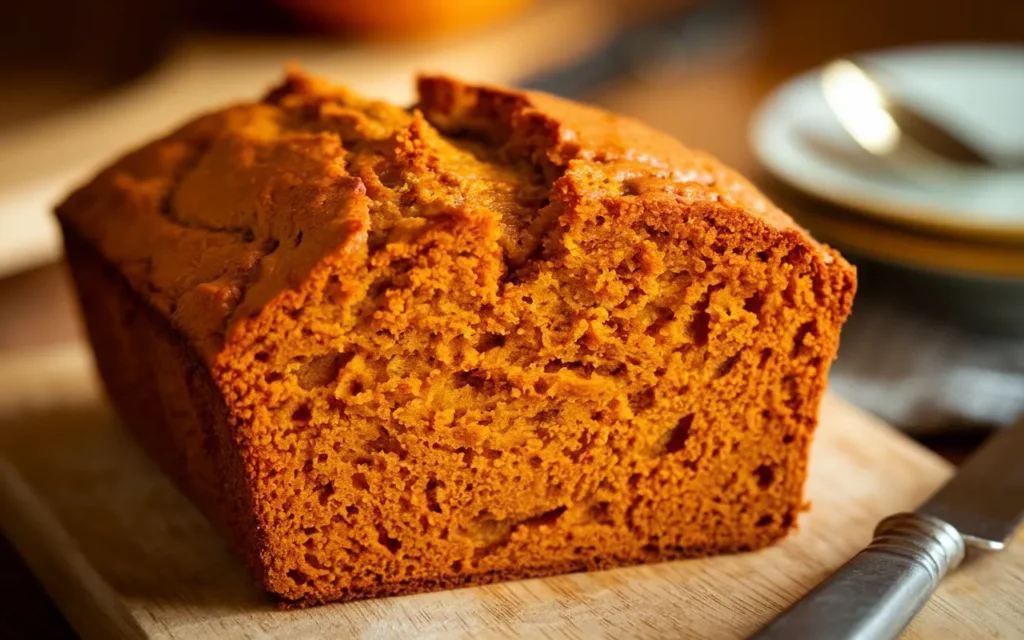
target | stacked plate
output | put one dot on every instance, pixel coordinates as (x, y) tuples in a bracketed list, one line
[(952, 238)]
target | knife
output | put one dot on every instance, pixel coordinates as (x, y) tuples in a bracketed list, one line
[(879, 591)]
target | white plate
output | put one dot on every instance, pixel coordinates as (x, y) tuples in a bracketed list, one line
[(978, 90)]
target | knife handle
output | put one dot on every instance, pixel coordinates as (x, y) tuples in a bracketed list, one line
[(879, 591)]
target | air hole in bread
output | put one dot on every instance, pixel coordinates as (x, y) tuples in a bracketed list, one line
[(642, 401), (468, 454), (313, 561), (796, 255), (391, 544), (679, 434), (490, 341), (809, 328), (700, 328), (298, 577), (754, 303), (576, 455), (473, 378), (323, 369), (547, 518), (663, 317), (599, 513), (325, 493), (433, 502), (789, 294), (656, 232), (360, 482), (302, 414), (385, 442), (791, 392), (727, 365), (700, 325), (765, 476)]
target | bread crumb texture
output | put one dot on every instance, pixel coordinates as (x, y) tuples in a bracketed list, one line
[(493, 336)]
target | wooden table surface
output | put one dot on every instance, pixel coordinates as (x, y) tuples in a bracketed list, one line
[(706, 101)]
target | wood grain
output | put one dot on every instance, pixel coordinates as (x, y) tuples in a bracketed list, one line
[(125, 555)]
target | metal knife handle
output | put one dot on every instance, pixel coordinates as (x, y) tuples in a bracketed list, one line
[(879, 591)]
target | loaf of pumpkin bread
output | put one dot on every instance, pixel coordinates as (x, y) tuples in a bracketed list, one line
[(493, 336)]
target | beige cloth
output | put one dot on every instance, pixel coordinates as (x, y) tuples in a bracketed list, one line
[(924, 376)]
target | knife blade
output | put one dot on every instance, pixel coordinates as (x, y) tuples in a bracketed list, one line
[(878, 592), (985, 500)]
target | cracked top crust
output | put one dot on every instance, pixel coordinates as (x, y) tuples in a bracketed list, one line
[(215, 221)]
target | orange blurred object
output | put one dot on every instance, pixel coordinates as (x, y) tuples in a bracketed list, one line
[(402, 18)]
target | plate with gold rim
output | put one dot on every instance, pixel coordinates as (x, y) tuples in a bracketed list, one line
[(978, 91)]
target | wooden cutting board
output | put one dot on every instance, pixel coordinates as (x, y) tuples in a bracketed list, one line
[(125, 555)]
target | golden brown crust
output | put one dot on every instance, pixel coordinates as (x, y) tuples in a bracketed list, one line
[(493, 336), (558, 131), (191, 218), (163, 392)]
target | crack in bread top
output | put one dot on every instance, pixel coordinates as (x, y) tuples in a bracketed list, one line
[(238, 208)]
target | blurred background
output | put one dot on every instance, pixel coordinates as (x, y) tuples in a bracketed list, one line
[(936, 342)]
